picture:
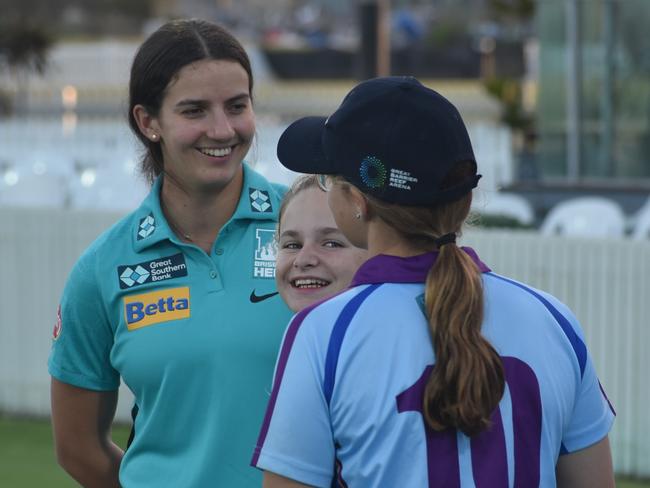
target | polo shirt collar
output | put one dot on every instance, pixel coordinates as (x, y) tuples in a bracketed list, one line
[(395, 269), (150, 226), (258, 201)]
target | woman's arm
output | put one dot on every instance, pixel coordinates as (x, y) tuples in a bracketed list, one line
[(588, 468), (81, 421), (272, 480)]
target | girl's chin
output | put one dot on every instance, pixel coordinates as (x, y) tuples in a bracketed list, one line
[(301, 298)]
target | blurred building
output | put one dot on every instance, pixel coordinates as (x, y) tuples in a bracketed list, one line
[(597, 141)]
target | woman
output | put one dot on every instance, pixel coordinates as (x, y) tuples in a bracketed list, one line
[(178, 298), (430, 370), (315, 260)]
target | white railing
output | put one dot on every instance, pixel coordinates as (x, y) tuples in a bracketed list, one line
[(605, 282)]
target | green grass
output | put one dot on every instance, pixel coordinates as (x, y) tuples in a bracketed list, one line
[(626, 483), (27, 456)]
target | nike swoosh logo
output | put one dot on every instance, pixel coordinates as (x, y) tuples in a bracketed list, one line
[(258, 298)]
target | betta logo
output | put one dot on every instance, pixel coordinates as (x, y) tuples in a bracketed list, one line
[(157, 306)]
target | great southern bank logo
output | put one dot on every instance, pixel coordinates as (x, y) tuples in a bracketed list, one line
[(157, 306), (160, 269), (266, 249)]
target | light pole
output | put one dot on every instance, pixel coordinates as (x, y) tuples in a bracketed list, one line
[(609, 36), (574, 91), (375, 38)]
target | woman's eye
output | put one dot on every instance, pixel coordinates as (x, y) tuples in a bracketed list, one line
[(192, 112), (290, 245), (238, 107), (333, 244)]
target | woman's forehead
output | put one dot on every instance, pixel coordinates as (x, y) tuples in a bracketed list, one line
[(207, 78)]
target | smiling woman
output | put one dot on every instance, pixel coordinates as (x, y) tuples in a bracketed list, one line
[(205, 126), (177, 299)]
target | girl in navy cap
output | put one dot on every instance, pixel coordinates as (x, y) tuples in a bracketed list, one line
[(431, 370)]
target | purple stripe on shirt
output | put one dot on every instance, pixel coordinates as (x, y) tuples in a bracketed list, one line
[(526, 420), (395, 269), (611, 407), (290, 336), (489, 458), (338, 481), (442, 446)]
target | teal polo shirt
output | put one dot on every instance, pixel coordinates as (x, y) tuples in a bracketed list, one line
[(194, 336)]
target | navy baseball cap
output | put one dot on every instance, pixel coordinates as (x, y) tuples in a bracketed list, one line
[(391, 137)]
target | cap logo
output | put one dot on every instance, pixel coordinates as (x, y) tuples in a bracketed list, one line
[(401, 179), (373, 172)]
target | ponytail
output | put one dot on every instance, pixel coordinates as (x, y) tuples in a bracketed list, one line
[(467, 381)]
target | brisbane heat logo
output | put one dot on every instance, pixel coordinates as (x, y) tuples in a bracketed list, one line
[(157, 306), (266, 249)]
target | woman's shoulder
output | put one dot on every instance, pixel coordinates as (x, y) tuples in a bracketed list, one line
[(111, 241), (256, 180), (514, 292), (340, 307)]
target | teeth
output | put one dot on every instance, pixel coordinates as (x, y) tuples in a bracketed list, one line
[(215, 152), (309, 283)]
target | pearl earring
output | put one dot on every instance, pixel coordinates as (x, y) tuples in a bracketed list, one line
[(154, 137), (357, 215)]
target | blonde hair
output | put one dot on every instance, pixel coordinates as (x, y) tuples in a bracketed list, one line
[(303, 182), (467, 380)]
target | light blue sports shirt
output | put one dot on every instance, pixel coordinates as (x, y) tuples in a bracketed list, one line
[(193, 335), (345, 409)]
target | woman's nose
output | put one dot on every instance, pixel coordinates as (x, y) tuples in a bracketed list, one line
[(220, 128), (306, 258)]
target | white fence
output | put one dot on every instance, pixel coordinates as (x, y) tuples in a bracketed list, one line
[(606, 283)]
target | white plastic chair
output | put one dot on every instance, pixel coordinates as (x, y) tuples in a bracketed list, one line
[(585, 217), (34, 190), (112, 189), (508, 205), (641, 228)]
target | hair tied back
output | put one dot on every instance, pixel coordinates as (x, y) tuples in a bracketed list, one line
[(446, 239)]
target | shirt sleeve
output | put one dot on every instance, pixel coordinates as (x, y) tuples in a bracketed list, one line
[(593, 415), (296, 437), (80, 355)]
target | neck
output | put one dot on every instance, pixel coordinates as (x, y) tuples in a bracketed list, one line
[(383, 239), (197, 216)]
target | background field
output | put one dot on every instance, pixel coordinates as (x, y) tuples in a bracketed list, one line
[(27, 457)]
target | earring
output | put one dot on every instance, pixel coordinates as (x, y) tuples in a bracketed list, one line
[(154, 137), (357, 215)]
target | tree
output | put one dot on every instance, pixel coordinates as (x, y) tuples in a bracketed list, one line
[(24, 48)]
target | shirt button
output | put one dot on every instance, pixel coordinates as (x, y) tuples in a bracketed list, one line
[(219, 252), (213, 274)]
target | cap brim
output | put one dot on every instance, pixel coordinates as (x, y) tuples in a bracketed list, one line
[(300, 147)]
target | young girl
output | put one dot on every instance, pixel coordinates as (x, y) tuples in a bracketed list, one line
[(177, 299), (431, 370), (315, 260)]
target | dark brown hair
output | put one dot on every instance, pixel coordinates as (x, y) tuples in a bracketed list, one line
[(467, 380), (159, 59)]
